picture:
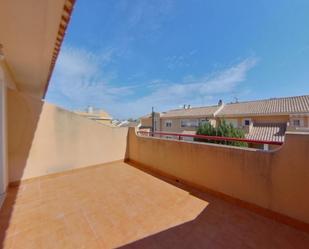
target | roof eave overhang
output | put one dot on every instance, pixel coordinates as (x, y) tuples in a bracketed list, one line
[(188, 116), (65, 19), (243, 115), (32, 33)]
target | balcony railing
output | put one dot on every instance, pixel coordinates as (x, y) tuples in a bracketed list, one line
[(212, 138)]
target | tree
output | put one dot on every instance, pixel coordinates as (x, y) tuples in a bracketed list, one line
[(223, 130)]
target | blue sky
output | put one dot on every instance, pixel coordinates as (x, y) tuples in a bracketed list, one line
[(126, 56)]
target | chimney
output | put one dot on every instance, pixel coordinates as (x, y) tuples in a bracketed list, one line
[(220, 102), (90, 109)]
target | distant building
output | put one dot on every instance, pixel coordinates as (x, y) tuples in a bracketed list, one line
[(125, 123), (98, 115), (128, 123), (260, 119), (146, 122)]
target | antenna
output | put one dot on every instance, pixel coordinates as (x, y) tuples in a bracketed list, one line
[(152, 121)]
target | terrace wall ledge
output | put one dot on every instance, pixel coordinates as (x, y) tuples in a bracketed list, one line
[(270, 180)]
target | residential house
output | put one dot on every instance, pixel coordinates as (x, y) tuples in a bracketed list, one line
[(270, 118), (128, 123), (146, 122), (260, 119)]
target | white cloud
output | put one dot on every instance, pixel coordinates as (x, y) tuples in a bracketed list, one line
[(81, 79), (196, 90), (178, 61), (149, 14)]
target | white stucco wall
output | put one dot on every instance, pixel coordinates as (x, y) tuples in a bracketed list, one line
[(45, 139)]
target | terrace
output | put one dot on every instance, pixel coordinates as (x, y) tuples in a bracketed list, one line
[(117, 205), (70, 182)]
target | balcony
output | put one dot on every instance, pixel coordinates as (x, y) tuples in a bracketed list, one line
[(70, 182), (118, 205), (145, 192)]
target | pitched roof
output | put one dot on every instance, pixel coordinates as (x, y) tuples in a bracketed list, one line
[(99, 113), (145, 116), (274, 106), (267, 131), (288, 105), (207, 111)]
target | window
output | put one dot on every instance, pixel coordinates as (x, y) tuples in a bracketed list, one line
[(296, 122), (246, 122), (189, 123), (168, 123)]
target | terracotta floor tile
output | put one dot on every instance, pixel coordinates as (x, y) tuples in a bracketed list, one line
[(7, 243), (117, 205), (78, 228), (6, 230), (30, 239), (93, 244)]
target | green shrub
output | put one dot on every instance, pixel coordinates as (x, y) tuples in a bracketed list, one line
[(223, 130)]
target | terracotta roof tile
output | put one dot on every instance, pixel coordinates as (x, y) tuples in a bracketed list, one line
[(267, 131), (289, 105), (207, 111)]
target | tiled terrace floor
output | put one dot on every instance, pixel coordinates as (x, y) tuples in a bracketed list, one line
[(117, 205)]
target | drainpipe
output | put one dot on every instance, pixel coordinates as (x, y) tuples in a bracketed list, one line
[(3, 139), (152, 122)]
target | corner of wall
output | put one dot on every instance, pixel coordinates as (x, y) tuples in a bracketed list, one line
[(6, 75)]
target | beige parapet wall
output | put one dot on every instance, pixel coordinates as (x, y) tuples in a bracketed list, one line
[(44, 139), (276, 180)]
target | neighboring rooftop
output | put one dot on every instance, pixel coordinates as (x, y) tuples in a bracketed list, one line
[(274, 106), (146, 116), (267, 131), (207, 111), (95, 113), (128, 123)]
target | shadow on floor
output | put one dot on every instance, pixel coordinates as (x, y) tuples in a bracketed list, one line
[(224, 225)]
